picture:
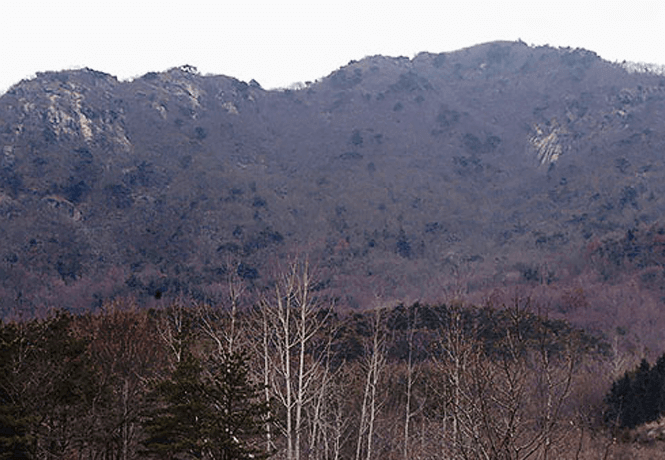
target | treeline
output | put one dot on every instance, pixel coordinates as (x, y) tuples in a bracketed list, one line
[(638, 397), (292, 378)]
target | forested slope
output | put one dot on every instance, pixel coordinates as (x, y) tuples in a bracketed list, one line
[(490, 166)]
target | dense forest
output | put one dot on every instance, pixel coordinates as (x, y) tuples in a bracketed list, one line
[(497, 165), (293, 377), (487, 257)]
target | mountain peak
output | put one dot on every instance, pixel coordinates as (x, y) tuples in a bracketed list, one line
[(495, 164)]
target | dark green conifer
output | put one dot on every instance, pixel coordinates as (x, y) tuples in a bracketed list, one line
[(638, 397), (211, 412), (15, 441)]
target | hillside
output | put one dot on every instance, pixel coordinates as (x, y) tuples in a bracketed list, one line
[(490, 167)]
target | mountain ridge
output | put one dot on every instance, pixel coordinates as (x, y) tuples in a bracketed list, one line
[(488, 167)]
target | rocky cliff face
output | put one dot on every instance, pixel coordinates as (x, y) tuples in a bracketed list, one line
[(488, 166)]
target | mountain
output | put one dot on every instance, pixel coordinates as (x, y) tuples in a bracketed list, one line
[(489, 167)]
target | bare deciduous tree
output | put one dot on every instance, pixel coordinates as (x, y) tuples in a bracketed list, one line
[(504, 397), (375, 360), (291, 318)]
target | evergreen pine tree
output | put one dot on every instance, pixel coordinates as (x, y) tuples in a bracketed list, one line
[(174, 426), (206, 413), (15, 442), (617, 401), (240, 415), (48, 389), (658, 384), (639, 410), (638, 397)]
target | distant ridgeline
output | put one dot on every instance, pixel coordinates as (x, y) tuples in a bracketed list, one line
[(496, 166)]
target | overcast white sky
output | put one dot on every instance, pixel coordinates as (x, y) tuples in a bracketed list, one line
[(280, 42)]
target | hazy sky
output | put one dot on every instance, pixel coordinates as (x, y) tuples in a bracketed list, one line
[(280, 42)]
